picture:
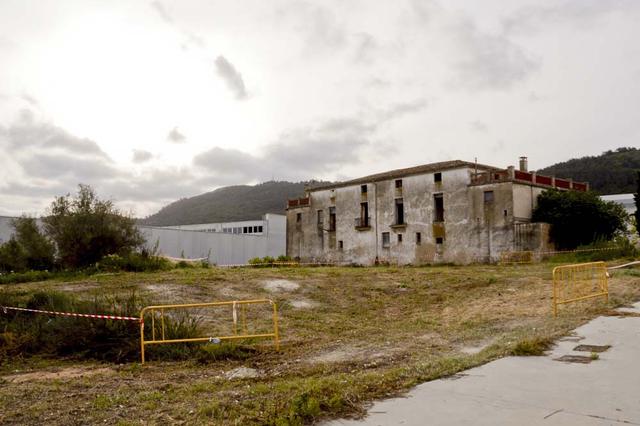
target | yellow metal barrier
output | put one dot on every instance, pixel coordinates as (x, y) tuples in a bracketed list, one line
[(239, 315), (516, 257), (572, 283)]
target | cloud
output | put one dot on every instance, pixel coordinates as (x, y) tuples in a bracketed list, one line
[(231, 77), (482, 61), (162, 12), (301, 153), (478, 126), (577, 13), (403, 108), (189, 38), (365, 48), (317, 26), (175, 136), (141, 156)]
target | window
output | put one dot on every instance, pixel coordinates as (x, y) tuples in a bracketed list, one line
[(340, 245), (488, 196), (255, 229), (260, 228), (298, 217), (418, 238), (438, 203), (332, 219), (245, 229), (437, 177), (399, 183), (320, 218), (439, 240), (364, 215), (363, 189), (399, 238), (399, 211), (386, 241)]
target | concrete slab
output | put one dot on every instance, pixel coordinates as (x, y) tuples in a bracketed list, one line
[(533, 390)]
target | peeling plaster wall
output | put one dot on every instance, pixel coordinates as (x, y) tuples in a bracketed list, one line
[(474, 229)]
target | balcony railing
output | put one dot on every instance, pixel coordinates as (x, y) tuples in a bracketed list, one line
[(363, 222)]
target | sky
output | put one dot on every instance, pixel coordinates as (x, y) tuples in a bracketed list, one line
[(152, 101)]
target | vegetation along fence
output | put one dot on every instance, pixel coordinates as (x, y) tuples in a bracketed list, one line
[(572, 283)]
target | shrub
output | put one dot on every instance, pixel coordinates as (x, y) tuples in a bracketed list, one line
[(85, 229), (132, 262), (579, 218)]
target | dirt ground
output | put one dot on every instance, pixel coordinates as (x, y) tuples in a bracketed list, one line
[(349, 335)]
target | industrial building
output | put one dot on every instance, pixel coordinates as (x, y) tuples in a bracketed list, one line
[(453, 211), (229, 243)]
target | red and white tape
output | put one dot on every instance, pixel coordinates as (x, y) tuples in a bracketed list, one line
[(71, 314)]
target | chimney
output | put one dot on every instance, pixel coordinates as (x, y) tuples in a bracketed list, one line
[(524, 164)]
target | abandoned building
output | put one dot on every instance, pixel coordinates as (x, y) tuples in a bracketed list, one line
[(453, 211)]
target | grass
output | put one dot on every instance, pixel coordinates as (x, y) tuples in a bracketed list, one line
[(366, 333)]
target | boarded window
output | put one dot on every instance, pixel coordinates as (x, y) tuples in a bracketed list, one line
[(386, 240), (320, 218), (488, 196), (332, 219), (437, 177), (438, 202), (399, 211)]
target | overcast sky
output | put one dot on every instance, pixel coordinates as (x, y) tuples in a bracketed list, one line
[(149, 102)]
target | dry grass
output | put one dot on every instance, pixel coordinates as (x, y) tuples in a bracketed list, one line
[(366, 333)]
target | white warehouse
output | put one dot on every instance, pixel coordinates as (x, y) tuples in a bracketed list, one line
[(229, 243)]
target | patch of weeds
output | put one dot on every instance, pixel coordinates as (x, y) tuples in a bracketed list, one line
[(223, 352), (536, 346), (595, 356)]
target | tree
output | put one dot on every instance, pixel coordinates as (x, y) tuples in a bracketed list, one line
[(27, 249), (85, 229), (579, 218), (37, 248), (636, 198)]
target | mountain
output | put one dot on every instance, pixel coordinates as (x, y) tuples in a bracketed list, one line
[(613, 172), (228, 204)]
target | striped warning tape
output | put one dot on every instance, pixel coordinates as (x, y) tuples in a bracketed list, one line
[(70, 314)]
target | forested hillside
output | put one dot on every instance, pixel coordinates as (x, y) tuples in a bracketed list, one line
[(613, 172), (231, 203)]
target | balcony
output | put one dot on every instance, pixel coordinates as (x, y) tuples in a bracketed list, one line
[(363, 223)]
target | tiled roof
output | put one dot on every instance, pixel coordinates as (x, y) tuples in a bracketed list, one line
[(399, 173)]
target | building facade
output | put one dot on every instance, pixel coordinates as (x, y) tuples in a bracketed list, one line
[(452, 211)]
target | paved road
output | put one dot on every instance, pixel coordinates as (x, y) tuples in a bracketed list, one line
[(533, 390)]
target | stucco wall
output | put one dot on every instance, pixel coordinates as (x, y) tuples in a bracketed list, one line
[(473, 229)]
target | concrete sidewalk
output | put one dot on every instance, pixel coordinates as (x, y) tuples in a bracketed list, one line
[(533, 390)]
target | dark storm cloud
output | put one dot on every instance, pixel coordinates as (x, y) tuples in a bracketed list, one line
[(487, 61), (175, 136), (141, 156), (231, 76)]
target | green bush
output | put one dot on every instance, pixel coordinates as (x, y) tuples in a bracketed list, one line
[(132, 262), (26, 333), (579, 218), (28, 248)]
